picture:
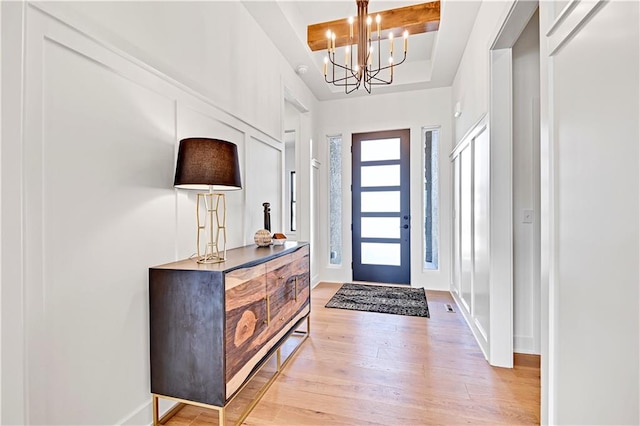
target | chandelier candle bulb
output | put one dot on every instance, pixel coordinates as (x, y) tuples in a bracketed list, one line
[(328, 39), (368, 27), (391, 43), (406, 40), (333, 42), (351, 27), (378, 19), (326, 63)]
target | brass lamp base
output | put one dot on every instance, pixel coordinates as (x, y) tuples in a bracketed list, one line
[(214, 205)]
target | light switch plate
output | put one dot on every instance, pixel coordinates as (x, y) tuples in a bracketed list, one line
[(527, 216)]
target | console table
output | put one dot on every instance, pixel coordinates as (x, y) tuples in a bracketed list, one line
[(213, 326)]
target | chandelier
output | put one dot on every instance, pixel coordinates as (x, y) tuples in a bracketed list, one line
[(368, 69)]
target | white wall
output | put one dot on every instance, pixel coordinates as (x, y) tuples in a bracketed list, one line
[(526, 190), (411, 110), (471, 83), (589, 145), (109, 90), (292, 128), (590, 193), (483, 87)]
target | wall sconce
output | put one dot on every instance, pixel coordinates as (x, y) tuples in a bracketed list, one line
[(209, 165)]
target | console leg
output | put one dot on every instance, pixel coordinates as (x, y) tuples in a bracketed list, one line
[(154, 403), (221, 419)]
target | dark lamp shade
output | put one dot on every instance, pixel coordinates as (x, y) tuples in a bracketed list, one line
[(207, 163)]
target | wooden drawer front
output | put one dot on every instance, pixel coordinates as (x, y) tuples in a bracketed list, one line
[(287, 287), (186, 329), (301, 267), (246, 316)]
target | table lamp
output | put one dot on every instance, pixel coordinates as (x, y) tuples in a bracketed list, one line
[(209, 165)]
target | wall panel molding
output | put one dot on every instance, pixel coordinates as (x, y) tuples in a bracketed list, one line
[(85, 99), (85, 30), (570, 21)]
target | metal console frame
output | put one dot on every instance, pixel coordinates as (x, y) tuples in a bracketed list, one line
[(280, 364)]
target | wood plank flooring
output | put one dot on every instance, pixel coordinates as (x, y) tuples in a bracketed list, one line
[(363, 368)]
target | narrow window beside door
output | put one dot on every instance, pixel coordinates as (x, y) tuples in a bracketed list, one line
[(430, 258), (335, 200)]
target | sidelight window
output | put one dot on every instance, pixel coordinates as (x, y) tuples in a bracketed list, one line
[(431, 184), (335, 200)]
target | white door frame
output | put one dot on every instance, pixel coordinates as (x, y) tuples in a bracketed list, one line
[(501, 157)]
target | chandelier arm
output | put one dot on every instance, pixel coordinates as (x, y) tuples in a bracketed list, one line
[(332, 58), (374, 76), (344, 81), (353, 89), (372, 79), (340, 81), (375, 72), (348, 80), (341, 66), (403, 59), (380, 82), (349, 69)]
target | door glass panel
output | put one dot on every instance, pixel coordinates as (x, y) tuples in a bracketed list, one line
[(380, 227), (380, 149), (380, 201), (381, 254), (380, 176)]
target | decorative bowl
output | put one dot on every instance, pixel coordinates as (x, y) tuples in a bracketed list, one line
[(278, 239)]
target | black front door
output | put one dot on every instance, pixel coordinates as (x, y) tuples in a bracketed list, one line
[(381, 207)]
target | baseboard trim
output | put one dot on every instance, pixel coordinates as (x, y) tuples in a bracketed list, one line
[(480, 339), (526, 360), (137, 416)]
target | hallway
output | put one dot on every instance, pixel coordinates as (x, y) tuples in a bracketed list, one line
[(360, 368)]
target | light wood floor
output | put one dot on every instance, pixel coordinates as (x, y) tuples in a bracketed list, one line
[(362, 368)]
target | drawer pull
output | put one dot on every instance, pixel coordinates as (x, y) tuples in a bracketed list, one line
[(268, 310)]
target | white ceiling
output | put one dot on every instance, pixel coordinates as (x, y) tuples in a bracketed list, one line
[(432, 59)]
